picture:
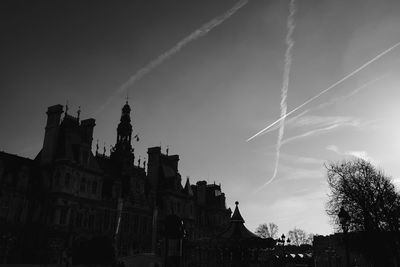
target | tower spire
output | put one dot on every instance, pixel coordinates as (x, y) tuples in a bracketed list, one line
[(124, 130)]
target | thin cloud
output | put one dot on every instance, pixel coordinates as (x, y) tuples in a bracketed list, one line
[(333, 148), (327, 89), (362, 154), (359, 154), (323, 125), (328, 103), (308, 160), (300, 173), (301, 159), (285, 85), (307, 121), (200, 32)]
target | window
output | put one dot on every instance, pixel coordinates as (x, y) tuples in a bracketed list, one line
[(79, 219), (57, 178), (106, 222), (94, 187), (144, 225), (83, 185), (85, 220), (135, 223), (91, 221), (137, 186), (63, 216), (85, 157), (4, 207), (67, 180), (18, 213)]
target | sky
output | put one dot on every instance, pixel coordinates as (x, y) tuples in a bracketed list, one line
[(205, 101)]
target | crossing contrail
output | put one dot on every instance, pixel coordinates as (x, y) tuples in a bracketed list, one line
[(285, 84), (329, 102), (327, 89), (203, 30)]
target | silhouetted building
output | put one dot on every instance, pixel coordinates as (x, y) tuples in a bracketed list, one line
[(362, 249), (68, 195), (234, 246)]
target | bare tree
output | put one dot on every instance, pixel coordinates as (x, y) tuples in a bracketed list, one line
[(310, 239), (368, 196), (273, 230), (267, 230), (297, 237)]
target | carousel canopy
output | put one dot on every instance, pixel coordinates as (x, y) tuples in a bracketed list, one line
[(236, 229)]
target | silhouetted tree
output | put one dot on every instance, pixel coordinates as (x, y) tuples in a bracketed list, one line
[(297, 237), (366, 193), (269, 230), (310, 239)]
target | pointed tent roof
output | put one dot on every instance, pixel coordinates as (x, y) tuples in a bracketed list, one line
[(236, 216), (236, 236), (188, 189), (236, 229)]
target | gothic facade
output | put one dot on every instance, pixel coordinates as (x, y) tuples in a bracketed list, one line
[(68, 195)]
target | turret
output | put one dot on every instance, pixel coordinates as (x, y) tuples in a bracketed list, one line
[(51, 133), (188, 188), (153, 165), (201, 192), (173, 160), (86, 127), (124, 131)]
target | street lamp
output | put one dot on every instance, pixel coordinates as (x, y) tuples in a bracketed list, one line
[(282, 242), (344, 219)]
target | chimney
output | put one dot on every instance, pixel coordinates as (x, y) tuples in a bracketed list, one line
[(201, 192), (173, 160), (51, 133), (86, 132), (87, 127), (153, 165)]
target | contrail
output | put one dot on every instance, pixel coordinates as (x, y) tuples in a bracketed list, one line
[(203, 30), (330, 102), (327, 89), (285, 85)]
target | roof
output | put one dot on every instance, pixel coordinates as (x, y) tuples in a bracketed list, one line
[(236, 216), (236, 229), (188, 189), (236, 235), (11, 166), (12, 159)]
